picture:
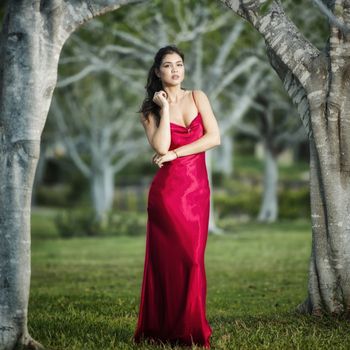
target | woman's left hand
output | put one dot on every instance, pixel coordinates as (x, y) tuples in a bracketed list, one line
[(167, 157)]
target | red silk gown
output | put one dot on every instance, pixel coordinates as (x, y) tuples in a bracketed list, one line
[(173, 294)]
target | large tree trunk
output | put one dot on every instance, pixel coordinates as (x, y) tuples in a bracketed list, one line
[(318, 83), (329, 270), (27, 81), (18, 161), (32, 37)]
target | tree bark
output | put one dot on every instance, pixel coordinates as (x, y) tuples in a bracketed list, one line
[(329, 267), (32, 37), (318, 82)]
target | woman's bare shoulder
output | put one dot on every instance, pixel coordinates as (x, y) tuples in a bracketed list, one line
[(199, 93)]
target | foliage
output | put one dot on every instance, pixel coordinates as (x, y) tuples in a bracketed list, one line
[(82, 222), (57, 195), (243, 196), (242, 202), (294, 203)]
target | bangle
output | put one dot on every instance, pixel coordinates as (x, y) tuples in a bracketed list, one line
[(175, 153)]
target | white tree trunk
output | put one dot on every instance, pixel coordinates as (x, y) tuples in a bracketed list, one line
[(102, 190), (18, 161), (269, 207), (224, 154), (32, 37), (213, 228)]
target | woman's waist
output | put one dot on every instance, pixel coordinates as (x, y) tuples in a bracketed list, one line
[(193, 160), (192, 164)]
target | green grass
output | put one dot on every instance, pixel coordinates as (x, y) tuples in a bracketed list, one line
[(85, 292)]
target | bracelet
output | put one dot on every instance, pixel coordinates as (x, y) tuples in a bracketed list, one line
[(175, 153)]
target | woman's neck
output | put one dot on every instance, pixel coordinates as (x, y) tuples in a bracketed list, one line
[(175, 93)]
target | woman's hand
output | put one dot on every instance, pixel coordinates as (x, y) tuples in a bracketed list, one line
[(167, 157), (159, 98)]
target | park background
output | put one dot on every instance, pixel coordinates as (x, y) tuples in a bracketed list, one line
[(90, 192)]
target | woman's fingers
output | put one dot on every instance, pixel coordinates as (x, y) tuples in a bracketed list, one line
[(156, 159)]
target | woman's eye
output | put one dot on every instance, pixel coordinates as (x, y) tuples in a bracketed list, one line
[(166, 66)]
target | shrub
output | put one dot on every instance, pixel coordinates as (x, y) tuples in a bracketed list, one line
[(240, 197), (56, 196), (294, 203), (83, 222), (247, 202)]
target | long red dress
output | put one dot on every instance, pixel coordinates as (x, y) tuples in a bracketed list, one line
[(173, 294)]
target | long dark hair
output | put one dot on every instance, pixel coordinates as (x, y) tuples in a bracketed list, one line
[(154, 83)]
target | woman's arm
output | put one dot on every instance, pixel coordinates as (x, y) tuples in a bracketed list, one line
[(211, 137), (162, 138), (158, 137)]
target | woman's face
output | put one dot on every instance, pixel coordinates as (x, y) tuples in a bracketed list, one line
[(171, 70)]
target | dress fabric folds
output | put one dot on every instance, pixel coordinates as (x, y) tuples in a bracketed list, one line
[(173, 294)]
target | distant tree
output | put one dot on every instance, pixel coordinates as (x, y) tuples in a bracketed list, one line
[(272, 123), (101, 134), (220, 72)]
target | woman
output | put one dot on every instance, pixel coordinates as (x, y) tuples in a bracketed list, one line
[(180, 127)]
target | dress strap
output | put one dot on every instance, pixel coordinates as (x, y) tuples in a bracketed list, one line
[(194, 100)]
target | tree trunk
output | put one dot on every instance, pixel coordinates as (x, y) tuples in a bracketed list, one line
[(213, 228), (102, 190), (223, 159), (18, 161), (329, 267), (32, 37), (318, 83), (27, 81), (269, 208)]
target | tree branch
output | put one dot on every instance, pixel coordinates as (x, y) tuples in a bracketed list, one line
[(77, 12), (280, 34), (334, 20), (68, 141)]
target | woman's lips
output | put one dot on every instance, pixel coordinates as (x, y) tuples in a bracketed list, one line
[(175, 76)]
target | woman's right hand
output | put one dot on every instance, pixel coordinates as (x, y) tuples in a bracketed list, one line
[(159, 98)]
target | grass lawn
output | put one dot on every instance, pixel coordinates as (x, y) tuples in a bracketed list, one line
[(85, 291)]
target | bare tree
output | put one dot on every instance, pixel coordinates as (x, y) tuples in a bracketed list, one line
[(272, 124), (317, 81), (235, 102), (189, 24), (101, 135), (32, 37)]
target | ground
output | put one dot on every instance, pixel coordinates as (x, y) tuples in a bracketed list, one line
[(85, 291)]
